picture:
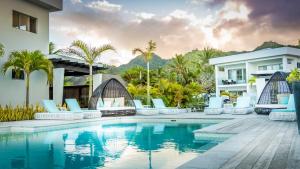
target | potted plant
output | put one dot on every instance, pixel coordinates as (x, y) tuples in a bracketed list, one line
[(294, 78)]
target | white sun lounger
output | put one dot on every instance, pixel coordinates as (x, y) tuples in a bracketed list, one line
[(243, 105), (53, 113), (141, 110), (215, 106), (160, 105), (87, 114), (288, 114)]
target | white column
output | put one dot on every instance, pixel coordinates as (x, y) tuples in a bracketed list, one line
[(97, 80), (58, 85), (247, 77), (260, 84), (217, 80), (284, 64)]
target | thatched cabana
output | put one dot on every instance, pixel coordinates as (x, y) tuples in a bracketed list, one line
[(276, 85), (112, 89)]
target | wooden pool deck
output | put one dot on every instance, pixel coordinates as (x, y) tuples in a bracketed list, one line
[(257, 143)]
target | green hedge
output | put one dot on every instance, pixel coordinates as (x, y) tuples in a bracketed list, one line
[(10, 113)]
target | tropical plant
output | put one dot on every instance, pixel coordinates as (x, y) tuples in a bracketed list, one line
[(294, 76), (147, 54), (28, 62), (90, 55), (252, 80), (68, 81), (136, 75), (9, 113), (1, 50), (205, 72), (179, 65), (52, 49)]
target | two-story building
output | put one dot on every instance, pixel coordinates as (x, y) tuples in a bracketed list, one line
[(233, 72), (24, 25)]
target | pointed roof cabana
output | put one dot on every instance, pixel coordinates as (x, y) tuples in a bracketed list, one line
[(109, 89), (276, 85)]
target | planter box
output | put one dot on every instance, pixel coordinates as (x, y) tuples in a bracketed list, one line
[(296, 90)]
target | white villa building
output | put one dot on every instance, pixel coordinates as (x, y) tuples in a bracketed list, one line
[(24, 26), (233, 72)]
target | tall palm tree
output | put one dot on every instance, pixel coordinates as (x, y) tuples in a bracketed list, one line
[(1, 49), (90, 55), (147, 54), (28, 62)]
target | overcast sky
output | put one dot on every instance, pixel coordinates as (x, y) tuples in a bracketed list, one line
[(177, 26)]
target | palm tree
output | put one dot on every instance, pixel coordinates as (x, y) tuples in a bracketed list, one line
[(179, 65), (90, 55), (147, 54), (1, 49), (28, 62)]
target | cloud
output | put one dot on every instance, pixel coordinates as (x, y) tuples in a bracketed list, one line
[(145, 15), (104, 6), (76, 1), (232, 25)]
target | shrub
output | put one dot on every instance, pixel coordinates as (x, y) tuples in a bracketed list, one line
[(9, 113), (293, 76)]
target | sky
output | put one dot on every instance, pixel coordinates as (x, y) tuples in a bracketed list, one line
[(177, 26)]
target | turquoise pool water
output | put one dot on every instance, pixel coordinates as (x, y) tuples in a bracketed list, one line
[(129, 145)]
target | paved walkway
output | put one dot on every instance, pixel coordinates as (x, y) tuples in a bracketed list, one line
[(258, 144)]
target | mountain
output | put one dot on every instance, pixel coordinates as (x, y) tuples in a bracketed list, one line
[(155, 63)]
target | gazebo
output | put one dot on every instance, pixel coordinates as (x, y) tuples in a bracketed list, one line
[(66, 66), (275, 86), (112, 89)]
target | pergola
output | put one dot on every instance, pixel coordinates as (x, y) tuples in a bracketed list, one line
[(71, 66)]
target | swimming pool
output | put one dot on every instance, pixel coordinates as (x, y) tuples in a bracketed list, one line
[(124, 145)]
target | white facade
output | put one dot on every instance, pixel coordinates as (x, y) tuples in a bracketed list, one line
[(13, 91), (233, 72)]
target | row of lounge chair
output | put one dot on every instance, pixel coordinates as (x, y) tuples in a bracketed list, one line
[(159, 108), (76, 113), (243, 106)]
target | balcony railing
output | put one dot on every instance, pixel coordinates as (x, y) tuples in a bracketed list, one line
[(232, 82)]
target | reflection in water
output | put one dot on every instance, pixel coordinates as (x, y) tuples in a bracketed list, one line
[(142, 145)]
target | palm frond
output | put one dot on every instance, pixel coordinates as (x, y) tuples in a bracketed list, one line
[(81, 47), (138, 51), (96, 52), (1, 50)]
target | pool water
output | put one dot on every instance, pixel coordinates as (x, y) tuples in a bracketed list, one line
[(128, 145)]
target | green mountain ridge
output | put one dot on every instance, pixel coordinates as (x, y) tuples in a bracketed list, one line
[(155, 63), (193, 56)]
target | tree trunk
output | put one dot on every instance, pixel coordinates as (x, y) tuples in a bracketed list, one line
[(27, 89), (148, 83), (91, 82)]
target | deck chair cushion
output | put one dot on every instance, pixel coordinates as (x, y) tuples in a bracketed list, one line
[(73, 105), (50, 106)]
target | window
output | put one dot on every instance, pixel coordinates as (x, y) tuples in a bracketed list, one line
[(17, 75), (298, 64), (289, 61), (238, 75), (271, 67), (24, 22)]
